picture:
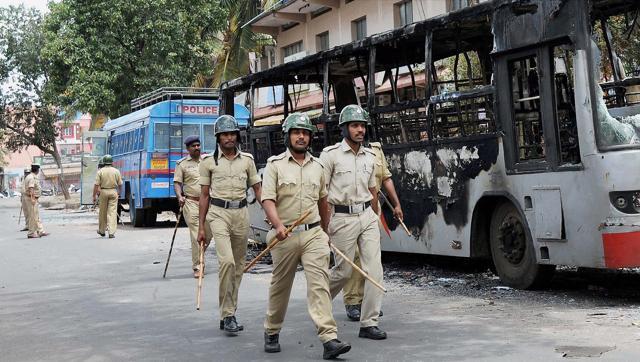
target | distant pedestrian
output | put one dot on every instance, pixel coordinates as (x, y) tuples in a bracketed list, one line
[(24, 199), (34, 191), (225, 176), (186, 184), (108, 182)]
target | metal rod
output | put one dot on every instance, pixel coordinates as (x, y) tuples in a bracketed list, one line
[(172, 240)]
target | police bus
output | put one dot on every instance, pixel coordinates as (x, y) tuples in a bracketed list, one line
[(511, 134), (146, 144)]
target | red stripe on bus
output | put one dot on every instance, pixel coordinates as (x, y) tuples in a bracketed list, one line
[(621, 250), (148, 172)]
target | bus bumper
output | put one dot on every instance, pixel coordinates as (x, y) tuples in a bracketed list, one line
[(621, 244)]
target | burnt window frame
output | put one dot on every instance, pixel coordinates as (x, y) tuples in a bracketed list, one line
[(544, 58)]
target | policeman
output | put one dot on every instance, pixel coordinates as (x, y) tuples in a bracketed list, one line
[(349, 169), (24, 199), (294, 182), (224, 179), (108, 181), (187, 188), (33, 190), (353, 291)]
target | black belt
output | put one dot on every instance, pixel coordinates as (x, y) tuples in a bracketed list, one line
[(352, 209), (236, 204), (304, 227)]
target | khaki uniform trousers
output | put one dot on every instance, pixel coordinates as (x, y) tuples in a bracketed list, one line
[(353, 291), (190, 212), (361, 231), (33, 221), (25, 209), (230, 229), (311, 248), (108, 211)]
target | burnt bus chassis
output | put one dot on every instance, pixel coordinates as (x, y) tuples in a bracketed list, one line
[(421, 123)]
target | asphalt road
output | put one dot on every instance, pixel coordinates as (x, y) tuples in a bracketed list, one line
[(74, 296)]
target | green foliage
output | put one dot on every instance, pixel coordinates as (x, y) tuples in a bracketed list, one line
[(625, 40), (26, 117), (105, 53)]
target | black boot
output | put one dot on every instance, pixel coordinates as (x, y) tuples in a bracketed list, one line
[(372, 333), (334, 348), (230, 326), (353, 311), (271, 344), (240, 326)]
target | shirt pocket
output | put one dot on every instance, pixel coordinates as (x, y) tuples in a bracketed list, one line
[(343, 177), (312, 189), (240, 182), (364, 173), (287, 186)]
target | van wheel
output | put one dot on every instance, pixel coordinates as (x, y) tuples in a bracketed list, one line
[(512, 251)]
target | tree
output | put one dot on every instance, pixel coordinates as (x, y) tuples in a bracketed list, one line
[(25, 115), (234, 43), (105, 53)]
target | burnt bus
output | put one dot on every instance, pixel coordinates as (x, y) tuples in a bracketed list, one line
[(510, 127)]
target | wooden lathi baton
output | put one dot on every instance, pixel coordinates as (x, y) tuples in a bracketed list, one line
[(199, 293), (386, 201), (274, 241), (356, 268)]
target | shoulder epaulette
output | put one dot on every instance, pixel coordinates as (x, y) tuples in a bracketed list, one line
[(276, 157), (332, 147), (367, 149), (207, 155), (180, 160), (317, 161), (247, 154), (375, 144)]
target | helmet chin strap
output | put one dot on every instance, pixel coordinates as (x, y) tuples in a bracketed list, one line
[(346, 134)]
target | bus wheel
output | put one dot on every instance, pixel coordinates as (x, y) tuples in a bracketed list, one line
[(136, 215), (512, 251)]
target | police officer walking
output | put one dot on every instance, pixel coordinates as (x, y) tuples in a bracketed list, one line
[(353, 291), (294, 182), (108, 181), (349, 169), (225, 176), (33, 190), (186, 184), (24, 199)]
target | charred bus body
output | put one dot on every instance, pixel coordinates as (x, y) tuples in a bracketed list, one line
[(504, 146)]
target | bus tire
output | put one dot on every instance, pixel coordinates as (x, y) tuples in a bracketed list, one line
[(136, 215), (150, 217), (512, 250)]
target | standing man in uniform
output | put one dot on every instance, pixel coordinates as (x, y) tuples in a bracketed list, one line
[(186, 184), (108, 181), (225, 177), (24, 199), (353, 291), (294, 182), (349, 169), (32, 186)]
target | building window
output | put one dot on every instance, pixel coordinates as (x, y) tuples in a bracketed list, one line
[(322, 41), (453, 5), (359, 28), (67, 131), (403, 13), (291, 50)]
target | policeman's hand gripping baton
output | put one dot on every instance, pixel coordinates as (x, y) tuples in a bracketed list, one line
[(274, 241), (386, 201)]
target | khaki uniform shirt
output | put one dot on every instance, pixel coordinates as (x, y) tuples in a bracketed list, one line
[(188, 174), (382, 168), (348, 175), (295, 188), (32, 181), (108, 177), (230, 178)]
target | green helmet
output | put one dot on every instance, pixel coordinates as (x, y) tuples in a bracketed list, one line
[(225, 123), (298, 121), (353, 113), (107, 159)]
